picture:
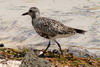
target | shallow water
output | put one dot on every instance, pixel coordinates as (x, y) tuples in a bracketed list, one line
[(16, 30)]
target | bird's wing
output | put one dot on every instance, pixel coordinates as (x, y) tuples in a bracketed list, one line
[(52, 27)]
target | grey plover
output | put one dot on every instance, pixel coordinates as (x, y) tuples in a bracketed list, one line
[(50, 28)]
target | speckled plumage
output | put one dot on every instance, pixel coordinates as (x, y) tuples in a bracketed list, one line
[(50, 28)]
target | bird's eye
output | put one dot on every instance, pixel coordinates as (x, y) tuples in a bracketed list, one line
[(30, 11)]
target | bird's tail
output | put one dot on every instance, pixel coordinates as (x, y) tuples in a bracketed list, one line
[(80, 31)]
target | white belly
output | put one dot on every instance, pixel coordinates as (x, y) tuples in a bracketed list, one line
[(61, 36)]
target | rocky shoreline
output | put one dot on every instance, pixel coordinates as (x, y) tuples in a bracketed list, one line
[(72, 57)]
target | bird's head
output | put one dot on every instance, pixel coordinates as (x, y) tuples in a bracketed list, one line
[(33, 12)]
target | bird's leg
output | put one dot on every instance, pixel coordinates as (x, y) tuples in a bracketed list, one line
[(45, 49), (59, 47)]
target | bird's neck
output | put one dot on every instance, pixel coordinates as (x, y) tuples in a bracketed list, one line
[(35, 16), (34, 19)]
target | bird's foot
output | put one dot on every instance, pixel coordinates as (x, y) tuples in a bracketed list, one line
[(41, 55), (61, 53)]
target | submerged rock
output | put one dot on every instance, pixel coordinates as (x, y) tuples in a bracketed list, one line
[(31, 60)]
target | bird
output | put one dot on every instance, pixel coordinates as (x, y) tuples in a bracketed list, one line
[(49, 28)]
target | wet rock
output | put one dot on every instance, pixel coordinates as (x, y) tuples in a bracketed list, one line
[(31, 60), (79, 52), (1, 45), (56, 51)]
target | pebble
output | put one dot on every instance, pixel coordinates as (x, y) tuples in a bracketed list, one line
[(1, 45)]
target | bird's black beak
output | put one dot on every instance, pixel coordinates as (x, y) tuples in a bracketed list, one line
[(25, 13)]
